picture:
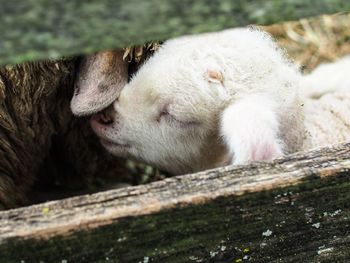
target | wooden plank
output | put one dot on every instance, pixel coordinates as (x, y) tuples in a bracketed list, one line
[(41, 29), (295, 209)]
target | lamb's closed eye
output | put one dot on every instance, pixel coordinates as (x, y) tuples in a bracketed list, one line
[(169, 118)]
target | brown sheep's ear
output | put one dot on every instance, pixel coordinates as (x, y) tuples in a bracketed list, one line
[(99, 80)]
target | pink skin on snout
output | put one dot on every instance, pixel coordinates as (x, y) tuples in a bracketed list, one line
[(100, 123)]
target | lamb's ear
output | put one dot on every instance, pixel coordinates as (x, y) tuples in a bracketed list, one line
[(215, 76), (99, 80)]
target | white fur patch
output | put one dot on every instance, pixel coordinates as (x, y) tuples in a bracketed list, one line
[(250, 129)]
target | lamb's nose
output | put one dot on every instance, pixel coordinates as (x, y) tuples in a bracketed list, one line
[(104, 117)]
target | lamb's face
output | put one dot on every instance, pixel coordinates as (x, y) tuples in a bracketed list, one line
[(166, 118)]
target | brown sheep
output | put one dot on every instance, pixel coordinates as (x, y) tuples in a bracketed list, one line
[(40, 136)]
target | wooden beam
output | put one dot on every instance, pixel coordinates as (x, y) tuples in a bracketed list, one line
[(295, 209), (42, 29)]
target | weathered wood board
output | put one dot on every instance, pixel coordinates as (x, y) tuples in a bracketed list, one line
[(41, 29), (295, 209)]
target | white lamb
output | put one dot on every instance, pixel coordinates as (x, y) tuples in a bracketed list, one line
[(213, 99)]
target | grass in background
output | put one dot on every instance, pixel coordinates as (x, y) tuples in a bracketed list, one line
[(313, 41)]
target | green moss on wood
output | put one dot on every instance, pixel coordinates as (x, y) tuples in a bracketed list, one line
[(41, 29), (309, 223)]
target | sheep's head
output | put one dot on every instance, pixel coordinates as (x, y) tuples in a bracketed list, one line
[(189, 108), (168, 116)]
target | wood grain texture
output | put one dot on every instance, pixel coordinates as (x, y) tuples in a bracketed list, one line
[(41, 29), (295, 209)]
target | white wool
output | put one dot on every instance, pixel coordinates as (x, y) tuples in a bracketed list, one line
[(326, 92), (246, 143), (326, 78)]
